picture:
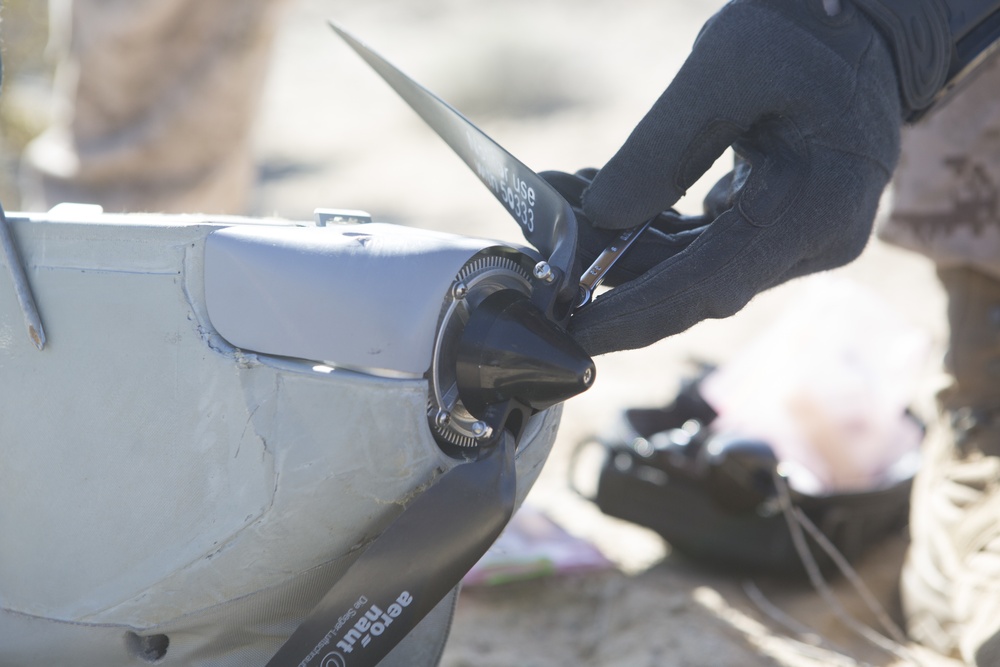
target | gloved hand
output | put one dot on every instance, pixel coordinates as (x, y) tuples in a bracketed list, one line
[(811, 105)]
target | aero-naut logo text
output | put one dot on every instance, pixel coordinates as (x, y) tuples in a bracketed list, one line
[(373, 623)]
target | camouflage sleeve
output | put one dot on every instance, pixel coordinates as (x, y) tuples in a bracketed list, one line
[(946, 189)]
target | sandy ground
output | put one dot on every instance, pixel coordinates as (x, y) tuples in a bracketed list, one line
[(560, 83)]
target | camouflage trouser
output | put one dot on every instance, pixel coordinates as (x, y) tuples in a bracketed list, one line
[(155, 100), (947, 206)]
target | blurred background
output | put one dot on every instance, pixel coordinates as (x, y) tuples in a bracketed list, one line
[(560, 84)]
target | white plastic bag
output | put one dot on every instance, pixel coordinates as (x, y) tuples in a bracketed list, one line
[(827, 387)]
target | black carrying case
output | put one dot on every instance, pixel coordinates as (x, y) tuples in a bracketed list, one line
[(678, 502)]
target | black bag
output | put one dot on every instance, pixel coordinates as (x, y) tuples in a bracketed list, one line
[(716, 501)]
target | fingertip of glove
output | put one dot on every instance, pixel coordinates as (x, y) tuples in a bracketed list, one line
[(592, 347), (582, 329), (599, 345)]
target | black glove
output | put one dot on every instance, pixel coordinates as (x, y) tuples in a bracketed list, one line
[(810, 104)]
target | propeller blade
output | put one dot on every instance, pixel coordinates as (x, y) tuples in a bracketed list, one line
[(410, 567), (545, 217)]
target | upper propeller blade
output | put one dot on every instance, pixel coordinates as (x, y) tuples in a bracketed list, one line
[(545, 217)]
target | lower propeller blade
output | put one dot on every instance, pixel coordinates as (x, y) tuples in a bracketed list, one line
[(410, 567), (545, 217)]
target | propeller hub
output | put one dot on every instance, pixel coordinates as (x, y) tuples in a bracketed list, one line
[(498, 353), (493, 270)]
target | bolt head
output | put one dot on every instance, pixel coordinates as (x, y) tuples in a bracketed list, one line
[(544, 272), (481, 430)]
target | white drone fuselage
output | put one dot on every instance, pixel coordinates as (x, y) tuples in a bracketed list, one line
[(225, 413)]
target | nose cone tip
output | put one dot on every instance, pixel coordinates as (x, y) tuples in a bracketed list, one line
[(555, 374), (510, 350), (584, 373)]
